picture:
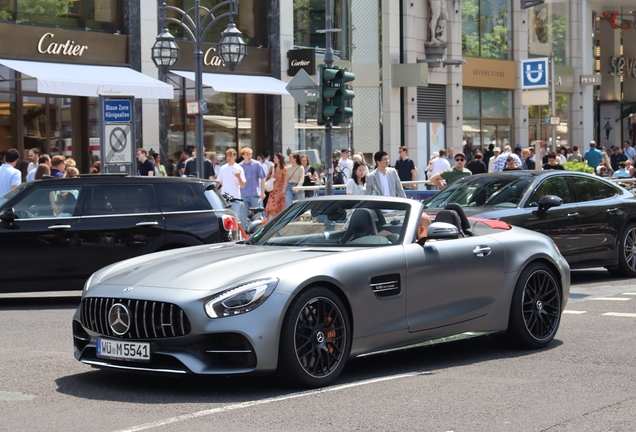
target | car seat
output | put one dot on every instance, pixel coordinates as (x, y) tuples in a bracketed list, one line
[(451, 217), (361, 224)]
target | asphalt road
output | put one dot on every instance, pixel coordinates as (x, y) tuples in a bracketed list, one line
[(584, 381)]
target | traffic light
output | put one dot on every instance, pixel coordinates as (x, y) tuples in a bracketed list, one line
[(343, 112), (327, 90)]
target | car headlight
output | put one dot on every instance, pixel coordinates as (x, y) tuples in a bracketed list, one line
[(240, 299)]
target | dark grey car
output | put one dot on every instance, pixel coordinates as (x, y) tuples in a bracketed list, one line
[(591, 220)]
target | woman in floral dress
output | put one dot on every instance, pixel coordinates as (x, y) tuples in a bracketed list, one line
[(276, 200)]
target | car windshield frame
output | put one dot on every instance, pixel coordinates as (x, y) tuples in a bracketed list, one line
[(336, 223), (503, 191), (12, 193)]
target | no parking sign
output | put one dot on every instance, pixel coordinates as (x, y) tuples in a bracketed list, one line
[(117, 121)]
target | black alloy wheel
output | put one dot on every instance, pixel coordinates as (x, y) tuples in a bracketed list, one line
[(315, 340), (536, 308), (627, 258)]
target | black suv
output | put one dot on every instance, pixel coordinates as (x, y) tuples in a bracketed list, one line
[(55, 233)]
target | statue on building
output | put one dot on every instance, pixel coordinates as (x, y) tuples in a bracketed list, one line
[(437, 26)]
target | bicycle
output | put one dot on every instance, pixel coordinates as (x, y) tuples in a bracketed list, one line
[(254, 214)]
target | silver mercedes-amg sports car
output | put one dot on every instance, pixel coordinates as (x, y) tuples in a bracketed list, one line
[(326, 280)]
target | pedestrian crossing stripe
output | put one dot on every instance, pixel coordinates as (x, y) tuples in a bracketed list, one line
[(574, 312), (611, 298), (620, 314)]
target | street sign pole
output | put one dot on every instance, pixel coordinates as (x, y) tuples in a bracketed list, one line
[(328, 127), (553, 98)]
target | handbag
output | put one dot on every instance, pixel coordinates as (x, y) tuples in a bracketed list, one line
[(269, 184)]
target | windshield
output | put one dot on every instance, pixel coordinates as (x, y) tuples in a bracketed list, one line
[(13, 192), (329, 223), (482, 191)]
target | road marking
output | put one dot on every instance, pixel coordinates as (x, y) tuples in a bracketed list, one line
[(631, 293), (198, 414), (620, 314), (9, 396), (611, 298), (574, 312)]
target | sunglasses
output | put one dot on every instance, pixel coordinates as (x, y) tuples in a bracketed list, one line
[(460, 159)]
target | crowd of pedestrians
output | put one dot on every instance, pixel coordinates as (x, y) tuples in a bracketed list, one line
[(245, 178)]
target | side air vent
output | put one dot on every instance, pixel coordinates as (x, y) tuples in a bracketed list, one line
[(386, 285)]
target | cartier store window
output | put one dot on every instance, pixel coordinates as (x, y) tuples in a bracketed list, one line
[(230, 122), (100, 15)]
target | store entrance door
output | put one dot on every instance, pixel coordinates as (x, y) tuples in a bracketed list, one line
[(497, 134)]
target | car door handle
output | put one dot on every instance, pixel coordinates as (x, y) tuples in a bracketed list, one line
[(612, 210), (143, 224), (59, 227), (481, 251), (573, 215)]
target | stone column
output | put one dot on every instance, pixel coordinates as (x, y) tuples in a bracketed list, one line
[(391, 109), (521, 27)]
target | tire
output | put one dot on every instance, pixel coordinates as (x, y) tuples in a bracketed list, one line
[(627, 252), (315, 339), (535, 312)]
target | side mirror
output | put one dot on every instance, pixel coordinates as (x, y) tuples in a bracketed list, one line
[(547, 202), (7, 216), (442, 231)]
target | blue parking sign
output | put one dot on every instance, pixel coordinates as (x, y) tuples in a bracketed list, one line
[(535, 73)]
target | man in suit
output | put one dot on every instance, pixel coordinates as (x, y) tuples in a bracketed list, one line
[(384, 180)]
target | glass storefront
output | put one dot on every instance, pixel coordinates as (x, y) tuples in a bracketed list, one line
[(548, 30), (486, 29), (231, 121), (100, 15), (254, 29), (309, 16), (548, 33), (487, 118)]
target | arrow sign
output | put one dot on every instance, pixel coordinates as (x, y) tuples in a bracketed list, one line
[(302, 88)]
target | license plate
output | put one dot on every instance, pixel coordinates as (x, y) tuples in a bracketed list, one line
[(121, 350)]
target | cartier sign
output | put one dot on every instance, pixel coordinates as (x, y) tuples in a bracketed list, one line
[(47, 45), (212, 59), (304, 58)]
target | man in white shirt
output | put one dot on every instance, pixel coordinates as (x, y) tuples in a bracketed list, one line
[(34, 155), (629, 151), (438, 165), (384, 180), (345, 164), (232, 178), (500, 161), (10, 177)]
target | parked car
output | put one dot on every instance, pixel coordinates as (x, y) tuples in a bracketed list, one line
[(55, 233), (327, 279), (591, 219)]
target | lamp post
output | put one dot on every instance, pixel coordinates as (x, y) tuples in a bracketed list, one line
[(196, 22)]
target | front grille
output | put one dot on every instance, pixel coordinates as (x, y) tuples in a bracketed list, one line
[(149, 319)]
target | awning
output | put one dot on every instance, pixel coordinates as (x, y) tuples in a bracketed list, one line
[(234, 83), (91, 81)]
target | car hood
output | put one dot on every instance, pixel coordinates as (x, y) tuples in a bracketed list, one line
[(205, 268)]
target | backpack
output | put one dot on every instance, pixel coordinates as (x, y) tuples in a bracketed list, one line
[(338, 176)]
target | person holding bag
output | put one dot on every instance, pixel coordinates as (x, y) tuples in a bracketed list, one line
[(311, 176), (295, 176), (276, 200)]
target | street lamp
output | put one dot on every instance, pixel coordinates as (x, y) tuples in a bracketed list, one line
[(196, 21)]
